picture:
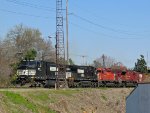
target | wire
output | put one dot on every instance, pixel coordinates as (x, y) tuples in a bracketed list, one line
[(89, 12), (108, 36), (101, 26), (98, 33), (76, 25), (31, 5), (94, 15), (25, 14)]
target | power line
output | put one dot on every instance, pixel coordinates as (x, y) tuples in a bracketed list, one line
[(31, 5), (76, 25), (101, 26), (93, 31), (107, 36), (94, 15), (84, 19), (25, 14)]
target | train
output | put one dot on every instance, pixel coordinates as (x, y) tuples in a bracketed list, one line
[(43, 74)]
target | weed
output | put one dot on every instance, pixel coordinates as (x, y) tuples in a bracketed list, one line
[(104, 97)]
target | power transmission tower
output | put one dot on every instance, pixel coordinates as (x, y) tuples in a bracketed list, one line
[(60, 49)]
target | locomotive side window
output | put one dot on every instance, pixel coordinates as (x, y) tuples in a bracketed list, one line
[(32, 63), (123, 73), (74, 69)]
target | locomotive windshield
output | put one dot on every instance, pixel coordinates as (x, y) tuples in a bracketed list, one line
[(31, 64)]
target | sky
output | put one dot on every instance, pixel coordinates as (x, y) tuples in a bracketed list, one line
[(117, 28)]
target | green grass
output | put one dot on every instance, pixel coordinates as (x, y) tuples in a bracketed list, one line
[(16, 103), (67, 92), (42, 97)]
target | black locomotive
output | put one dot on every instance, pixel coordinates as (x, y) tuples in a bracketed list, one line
[(42, 73)]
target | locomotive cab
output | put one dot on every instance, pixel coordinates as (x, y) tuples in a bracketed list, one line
[(30, 70)]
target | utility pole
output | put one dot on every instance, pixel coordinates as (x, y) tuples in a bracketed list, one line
[(83, 58), (60, 49), (67, 42), (103, 57), (147, 60)]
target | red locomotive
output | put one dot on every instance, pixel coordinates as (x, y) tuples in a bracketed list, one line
[(118, 78)]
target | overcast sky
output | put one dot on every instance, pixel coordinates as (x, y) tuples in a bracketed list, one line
[(117, 28)]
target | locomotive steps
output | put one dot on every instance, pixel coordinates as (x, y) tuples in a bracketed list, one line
[(88, 100)]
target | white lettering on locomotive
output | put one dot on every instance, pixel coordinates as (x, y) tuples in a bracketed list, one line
[(26, 72)]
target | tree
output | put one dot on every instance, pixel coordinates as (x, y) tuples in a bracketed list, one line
[(118, 66), (97, 64), (71, 61), (31, 54), (21, 39), (104, 61), (141, 65)]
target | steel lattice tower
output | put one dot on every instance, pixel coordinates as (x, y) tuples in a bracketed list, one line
[(60, 48)]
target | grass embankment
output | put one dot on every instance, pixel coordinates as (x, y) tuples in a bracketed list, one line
[(30, 100), (88, 100)]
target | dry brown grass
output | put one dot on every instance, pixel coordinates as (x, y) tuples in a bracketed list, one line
[(102, 100), (93, 101)]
